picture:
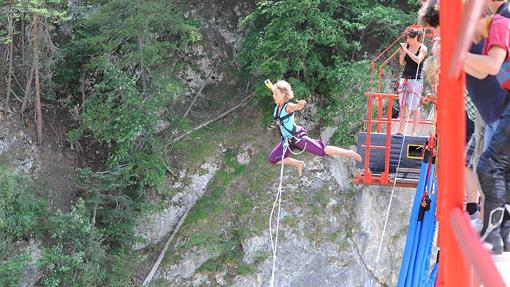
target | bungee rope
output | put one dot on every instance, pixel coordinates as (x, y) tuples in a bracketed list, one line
[(277, 202)]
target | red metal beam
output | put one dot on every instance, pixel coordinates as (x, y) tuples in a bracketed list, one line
[(388, 139), (376, 146), (379, 112), (368, 139), (473, 251), (385, 120), (370, 94), (473, 11), (379, 180), (453, 270), (387, 48)]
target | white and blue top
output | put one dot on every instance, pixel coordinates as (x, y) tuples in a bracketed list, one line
[(285, 121)]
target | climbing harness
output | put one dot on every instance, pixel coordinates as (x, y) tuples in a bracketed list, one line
[(292, 138), (283, 121)]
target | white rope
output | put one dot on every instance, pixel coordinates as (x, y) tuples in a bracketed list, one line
[(278, 200), (398, 165)]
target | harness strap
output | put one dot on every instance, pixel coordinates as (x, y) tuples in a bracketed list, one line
[(280, 119)]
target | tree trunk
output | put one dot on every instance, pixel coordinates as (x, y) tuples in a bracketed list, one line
[(83, 92), (23, 39), (28, 89), (9, 76), (139, 37), (38, 112)]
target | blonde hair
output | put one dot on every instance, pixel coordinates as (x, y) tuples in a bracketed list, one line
[(285, 88), (431, 70)]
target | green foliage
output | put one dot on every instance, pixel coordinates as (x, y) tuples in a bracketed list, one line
[(74, 255), (213, 201), (414, 3), (20, 207), (231, 253), (347, 108), (303, 41), (118, 114), (112, 44), (52, 9), (112, 197), (127, 33), (20, 211), (11, 269)]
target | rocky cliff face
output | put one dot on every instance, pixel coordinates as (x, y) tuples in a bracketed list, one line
[(329, 236)]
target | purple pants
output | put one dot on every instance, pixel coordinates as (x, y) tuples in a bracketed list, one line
[(301, 141)]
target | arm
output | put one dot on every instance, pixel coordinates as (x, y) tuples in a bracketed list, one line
[(291, 107), (402, 55), (418, 59), (468, 68), (486, 64)]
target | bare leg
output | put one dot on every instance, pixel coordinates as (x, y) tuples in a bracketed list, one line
[(333, 150), (402, 117), (415, 115), (472, 194), (298, 164)]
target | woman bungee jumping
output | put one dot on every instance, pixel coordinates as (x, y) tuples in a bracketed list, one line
[(294, 136)]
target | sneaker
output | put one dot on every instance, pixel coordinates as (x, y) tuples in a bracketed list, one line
[(476, 222), (505, 231), (491, 231)]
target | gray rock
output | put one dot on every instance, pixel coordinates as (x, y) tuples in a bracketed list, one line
[(220, 278), (327, 133), (244, 157), (187, 267), (201, 280), (248, 281), (341, 172), (32, 274), (18, 149), (253, 246), (316, 184), (156, 226)]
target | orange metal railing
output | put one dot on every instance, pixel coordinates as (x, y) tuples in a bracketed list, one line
[(382, 120), (463, 262), (477, 257), (367, 177)]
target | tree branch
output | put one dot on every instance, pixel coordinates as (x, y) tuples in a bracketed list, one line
[(149, 277), (198, 93), (241, 104)]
